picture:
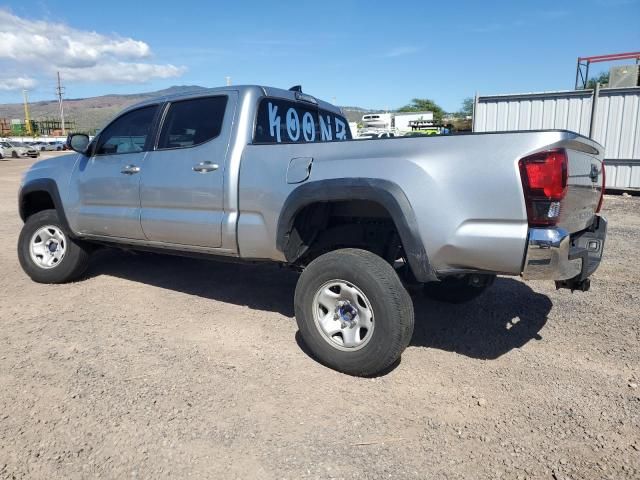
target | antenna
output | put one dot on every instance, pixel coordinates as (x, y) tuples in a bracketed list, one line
[(27, 120), (60, 93)]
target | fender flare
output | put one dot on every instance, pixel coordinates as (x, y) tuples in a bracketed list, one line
[(386, 193), (43, 185)]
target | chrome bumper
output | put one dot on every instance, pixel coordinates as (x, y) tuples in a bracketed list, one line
[(555, 254)]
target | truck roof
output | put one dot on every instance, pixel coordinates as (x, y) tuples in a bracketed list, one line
[(241, 89)]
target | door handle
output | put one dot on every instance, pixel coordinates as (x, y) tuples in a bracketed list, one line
[(204, 167), (130, 169)]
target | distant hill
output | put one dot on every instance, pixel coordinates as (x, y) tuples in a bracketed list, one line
[(92, 113), (354, 114)]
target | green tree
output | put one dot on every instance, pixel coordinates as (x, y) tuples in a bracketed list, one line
[(602, 79), (467, 108), (424, 105)]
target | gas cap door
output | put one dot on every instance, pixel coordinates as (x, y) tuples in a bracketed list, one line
[(299, 169)]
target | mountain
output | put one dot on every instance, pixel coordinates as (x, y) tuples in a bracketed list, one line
[(90, 114), (354, 114)]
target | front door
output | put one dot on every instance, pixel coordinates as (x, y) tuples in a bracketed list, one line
[(181, 189), (108, 182)]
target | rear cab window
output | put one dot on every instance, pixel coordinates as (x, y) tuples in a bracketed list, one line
[(192, 122), (284, 121)]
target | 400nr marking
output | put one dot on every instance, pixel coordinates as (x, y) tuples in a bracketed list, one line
[(305, 127)]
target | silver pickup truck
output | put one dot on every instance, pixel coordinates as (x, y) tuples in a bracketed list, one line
[(264, 174)]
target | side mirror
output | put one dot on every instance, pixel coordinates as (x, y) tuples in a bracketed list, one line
[(78, 142)]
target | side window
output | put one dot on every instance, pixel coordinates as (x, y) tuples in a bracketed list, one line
[(334, 128), (192, 122), (283, 121), (127, 134)]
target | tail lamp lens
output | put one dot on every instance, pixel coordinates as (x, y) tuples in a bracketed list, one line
[(544, 179)]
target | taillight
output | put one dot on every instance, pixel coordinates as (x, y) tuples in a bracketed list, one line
[(604, 183), (544, 180)]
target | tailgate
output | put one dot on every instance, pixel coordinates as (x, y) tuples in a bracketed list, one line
[(584, 185)]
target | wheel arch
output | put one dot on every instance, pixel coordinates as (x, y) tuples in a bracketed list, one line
[(41, 194), (385, 193)]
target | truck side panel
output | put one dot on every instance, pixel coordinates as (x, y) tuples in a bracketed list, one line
[(465, 190)]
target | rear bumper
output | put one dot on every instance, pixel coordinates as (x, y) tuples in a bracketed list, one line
[(555, 254)]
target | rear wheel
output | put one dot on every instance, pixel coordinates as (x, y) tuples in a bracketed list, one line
[(353, 312), (458, 289), (46, 252)]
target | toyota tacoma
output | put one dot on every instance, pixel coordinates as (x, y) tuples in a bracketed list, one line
[(265, 174)]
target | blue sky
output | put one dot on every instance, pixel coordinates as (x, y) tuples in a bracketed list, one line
[(370, 54)]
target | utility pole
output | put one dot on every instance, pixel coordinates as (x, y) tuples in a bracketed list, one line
[(60, 93), (27, 119), (228, 79)]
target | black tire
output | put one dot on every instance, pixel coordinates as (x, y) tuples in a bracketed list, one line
[(71, 266), (391, 306), (14, 154), (458, 289)]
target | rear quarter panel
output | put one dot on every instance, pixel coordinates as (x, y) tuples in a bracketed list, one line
[(465, 191)]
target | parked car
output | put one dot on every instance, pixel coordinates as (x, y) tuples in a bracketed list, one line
[(263, 174), (375, 135), (40, 146), (17, 150)]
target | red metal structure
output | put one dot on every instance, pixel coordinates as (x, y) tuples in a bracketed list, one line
[(582, 69)]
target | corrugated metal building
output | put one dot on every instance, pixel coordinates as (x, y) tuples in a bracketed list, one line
[(616, 122)]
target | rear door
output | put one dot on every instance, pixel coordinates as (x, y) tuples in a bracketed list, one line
[(181, 191)]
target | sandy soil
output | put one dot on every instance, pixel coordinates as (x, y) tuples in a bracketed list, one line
[(167, 367)]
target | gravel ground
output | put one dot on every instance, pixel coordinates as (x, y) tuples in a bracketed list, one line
[(167, 367)]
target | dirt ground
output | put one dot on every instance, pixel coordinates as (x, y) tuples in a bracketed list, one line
[(165, 367)]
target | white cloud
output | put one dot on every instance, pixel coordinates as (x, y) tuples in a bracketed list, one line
[(82, 55), (121, 72), (17, 83)]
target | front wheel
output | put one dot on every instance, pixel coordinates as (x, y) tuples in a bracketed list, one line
[(353, 312), (46, 252)]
